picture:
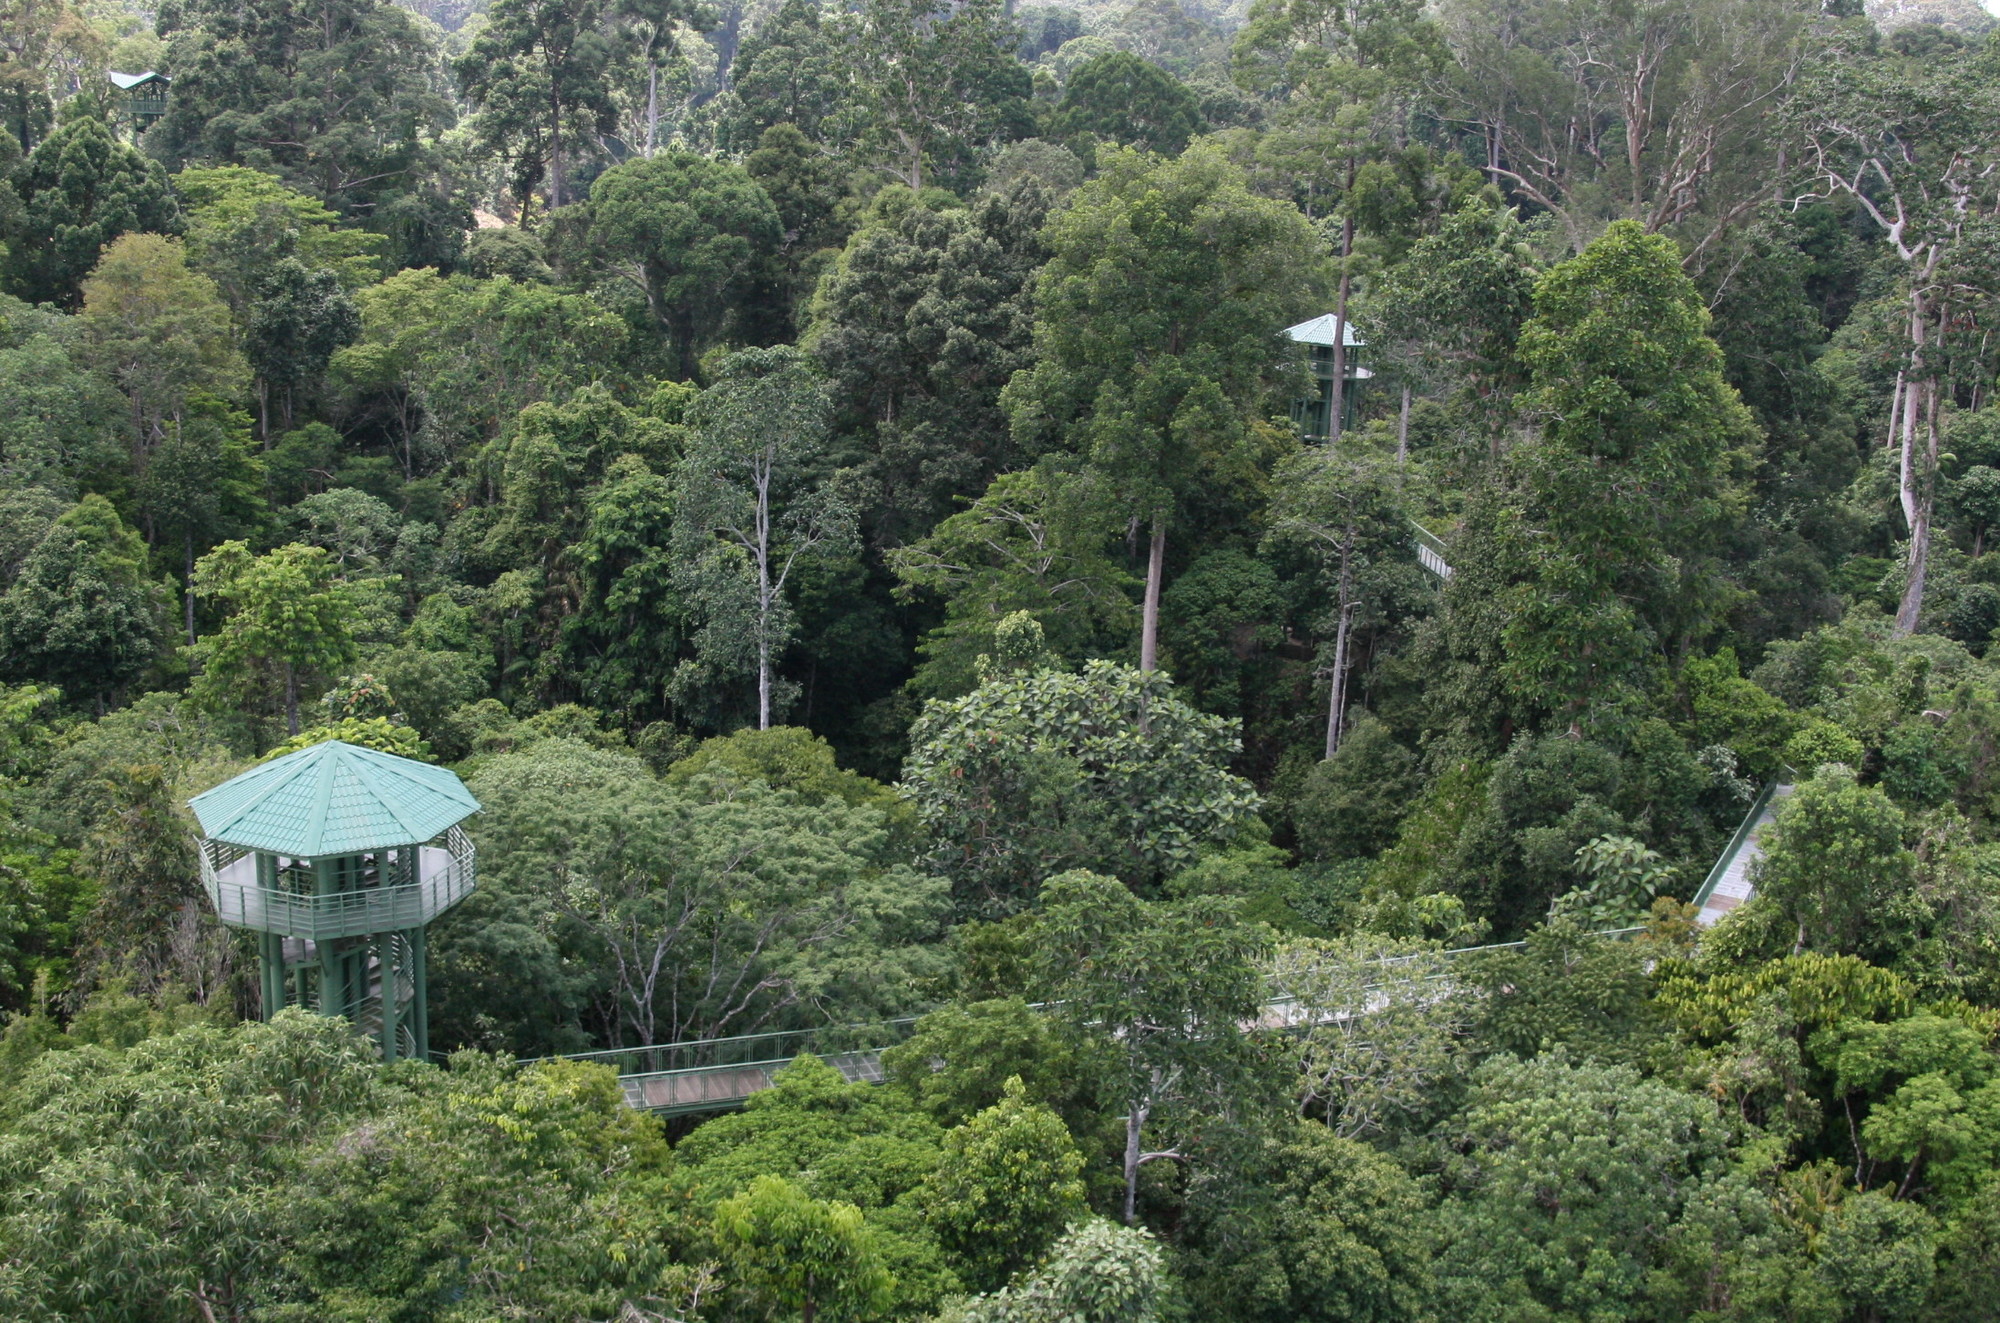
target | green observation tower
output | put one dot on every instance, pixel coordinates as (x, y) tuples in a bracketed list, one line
[(337, 857)]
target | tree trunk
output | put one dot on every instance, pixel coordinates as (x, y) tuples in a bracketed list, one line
[(1403, 429), (652, 104), (556, 180), (291, 700), (1909, 612), (1917, 475), (187, 583), (763, 675), (1135, 1121), (1149, 620), (1336, 406), (1336, 708)]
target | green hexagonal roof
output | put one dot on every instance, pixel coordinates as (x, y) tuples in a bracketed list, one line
[(333, 798)]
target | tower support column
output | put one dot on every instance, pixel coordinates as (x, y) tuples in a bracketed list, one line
[(271, 969), (420, 1015), (388, 956)]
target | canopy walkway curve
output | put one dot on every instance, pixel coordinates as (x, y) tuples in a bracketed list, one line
[(718, 1074)]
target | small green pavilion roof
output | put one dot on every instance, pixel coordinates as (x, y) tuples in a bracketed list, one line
[(1322, 329), (333, 798)]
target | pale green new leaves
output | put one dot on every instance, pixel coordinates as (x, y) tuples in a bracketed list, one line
[(141, 1184), (1009, 1179), (289, 617), (798, 1256)]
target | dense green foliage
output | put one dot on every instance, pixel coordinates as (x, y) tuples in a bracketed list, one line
[(834, 482)]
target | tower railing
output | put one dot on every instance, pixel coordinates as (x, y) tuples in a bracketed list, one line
[(446, 874)]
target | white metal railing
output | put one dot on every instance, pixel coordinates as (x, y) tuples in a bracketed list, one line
[(1430, 551), (446, 874)]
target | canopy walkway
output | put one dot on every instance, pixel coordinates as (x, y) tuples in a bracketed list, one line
[(716, 1074), (1728, 883), (1430, 551)]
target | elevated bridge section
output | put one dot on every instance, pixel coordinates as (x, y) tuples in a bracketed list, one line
[(717, 1074)]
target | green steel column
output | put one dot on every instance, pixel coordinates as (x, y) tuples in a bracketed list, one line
[(271, 965), (332, 978), (420, 1010), (385, 959)]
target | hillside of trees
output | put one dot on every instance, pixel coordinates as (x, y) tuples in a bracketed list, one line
[(826, 475)]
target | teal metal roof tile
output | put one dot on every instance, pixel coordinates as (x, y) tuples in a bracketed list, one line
[(333, 798), (1322, 329)]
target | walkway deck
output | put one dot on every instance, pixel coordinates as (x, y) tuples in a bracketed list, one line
[(1728, 883), (1430, 551), (712, 1075)]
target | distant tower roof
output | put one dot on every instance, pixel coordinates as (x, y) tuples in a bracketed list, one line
[(333, 799), (125, 82), (1319, 331)]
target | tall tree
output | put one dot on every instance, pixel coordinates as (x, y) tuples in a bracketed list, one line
[(684, 231), (652, 31), (1340, 504), (1096, 1270), (81, 614), (1344, 71), (1836, 866), (757, 503), (201, 484), (160, 332), (538, 76), (620, 646), (1658, 112), (47, 49), (340, 98), (1569, 1173), (1911, 141), (796, 1255), (1040, 770), (942, 81), (242, 222), (300, 319), (798, 68), (1029, 549), (1007, 1187), (920, 325), (289, 619), (80, 189), (1612, 528), (57, 416), (1454, 306), (1169, 987), (445, 364), (718, 907), (1157, 325), (1122, 99)]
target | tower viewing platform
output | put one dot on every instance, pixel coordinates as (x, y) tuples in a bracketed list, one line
[(339, 856)]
